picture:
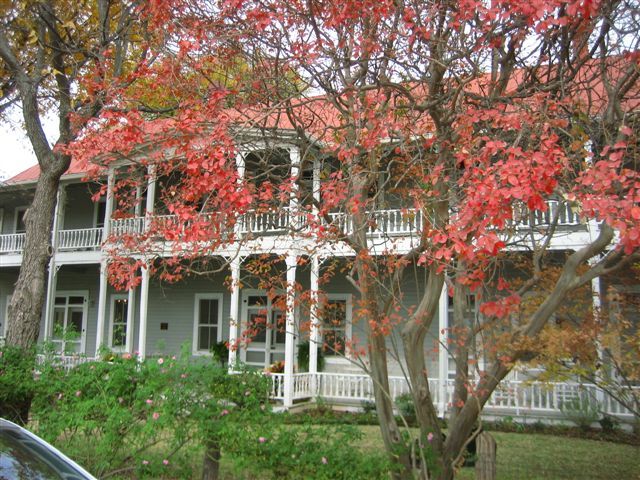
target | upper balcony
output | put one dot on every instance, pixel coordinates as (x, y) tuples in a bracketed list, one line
[(394, 223)]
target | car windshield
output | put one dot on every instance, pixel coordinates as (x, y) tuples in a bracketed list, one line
[(23, 458)]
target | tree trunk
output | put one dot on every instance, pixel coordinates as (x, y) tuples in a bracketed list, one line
[(211, 462), (27, 301)]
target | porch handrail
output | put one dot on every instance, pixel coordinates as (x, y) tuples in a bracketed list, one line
[(79, 238)]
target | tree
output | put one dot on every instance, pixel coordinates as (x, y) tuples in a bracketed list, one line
[(476, 116), (65, 59)]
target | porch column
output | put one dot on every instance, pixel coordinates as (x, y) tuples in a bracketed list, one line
[(144, 307), (443, 353), (102, 305), (52, 284), (234, 317), (52, 277), (314, 334), (290, 339), (104, 280), (131, 315), (144, 285), (294, 156)]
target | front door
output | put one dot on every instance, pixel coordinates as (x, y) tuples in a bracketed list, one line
[(264, 324), (69, 322)]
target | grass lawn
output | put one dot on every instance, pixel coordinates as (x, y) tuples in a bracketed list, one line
[(544, 457)]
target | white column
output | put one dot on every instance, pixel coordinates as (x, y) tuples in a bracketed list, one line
[(144, 307), (53, 268), (104, 280), (294, 156), (131, 315), (108, 207), (443, 353), (290, 339), (240, 167), (234, 309), (102, 305), (314, 334), (144, 285)]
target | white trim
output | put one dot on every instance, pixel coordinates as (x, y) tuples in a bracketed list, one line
[(3, 322), (96, 210), (21, 208), (348, 330), (266, 347), (196, 318), (85, 310), (112, 302)]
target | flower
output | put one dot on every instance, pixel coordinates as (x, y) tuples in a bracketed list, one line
[(324, 460), (145, 462), (149, 401), (155, 415), (165, 462), (120, 399), (430, 437), (224, 412), (183, 375), (78, 393), (262, 439), (173, 358), (247, 393), (126, 356), (160, 361)]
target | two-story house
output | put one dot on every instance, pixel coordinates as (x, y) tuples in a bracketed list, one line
[(83, 311)]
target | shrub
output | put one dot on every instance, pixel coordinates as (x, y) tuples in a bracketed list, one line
[(368, 407), (303, 357), (581, 412), (404, 404), (17, 384)]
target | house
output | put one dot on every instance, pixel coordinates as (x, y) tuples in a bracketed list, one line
[(83, 311)]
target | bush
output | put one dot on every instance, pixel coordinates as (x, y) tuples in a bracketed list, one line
[(583, 413), (17, 384), (303, 357), (405, 406), (137, 417)]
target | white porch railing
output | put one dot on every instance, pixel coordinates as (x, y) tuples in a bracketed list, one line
[(66, 362), (511, 397), (12, 242), (79, 239)]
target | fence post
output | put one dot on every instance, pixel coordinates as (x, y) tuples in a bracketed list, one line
[(486, 453)]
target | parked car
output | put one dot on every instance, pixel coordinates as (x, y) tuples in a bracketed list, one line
[(24, 456)]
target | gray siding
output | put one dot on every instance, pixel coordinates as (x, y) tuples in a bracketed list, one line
[(79, 208)]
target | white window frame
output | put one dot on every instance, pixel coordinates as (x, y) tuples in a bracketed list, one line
[(196, 320), (96, 209), (267, 347), (112, 304), (3, 326), (18, 210), (85, 317), (348, 331)]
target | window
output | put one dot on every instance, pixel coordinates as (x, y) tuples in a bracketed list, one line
[(335, 315), (3, 321), (119, 322), (19, 225), (206, 330), (99, 213), (69, 321)]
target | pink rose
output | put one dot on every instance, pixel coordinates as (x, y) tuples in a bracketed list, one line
[(145, 462), (149, 401), (324, 460), (430, 437), (155, 415), (165, 462), (160, 361), (78, 393), (262, 439)]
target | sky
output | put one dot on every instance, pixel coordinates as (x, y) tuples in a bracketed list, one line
[(16, 154)]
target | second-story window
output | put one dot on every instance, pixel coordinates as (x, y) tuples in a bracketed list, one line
[(21, 227)]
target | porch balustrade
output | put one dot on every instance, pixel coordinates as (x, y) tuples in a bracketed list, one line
[(511, 398), (80, 239), (392, 223)]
